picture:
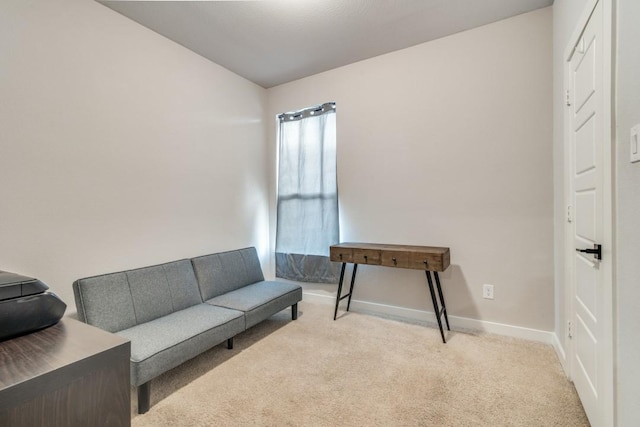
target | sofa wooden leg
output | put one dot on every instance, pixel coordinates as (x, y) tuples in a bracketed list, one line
[(230, 343), (294, 311), (144, 396)]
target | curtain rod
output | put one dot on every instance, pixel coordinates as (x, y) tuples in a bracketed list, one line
[(316, 110)]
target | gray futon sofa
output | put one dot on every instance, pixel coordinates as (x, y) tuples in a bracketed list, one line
[(172, 312)]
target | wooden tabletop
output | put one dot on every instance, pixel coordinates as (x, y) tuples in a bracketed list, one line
[(385, 246), (429, 258)]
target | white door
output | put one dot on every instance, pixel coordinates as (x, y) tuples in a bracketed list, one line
[(591, 288)]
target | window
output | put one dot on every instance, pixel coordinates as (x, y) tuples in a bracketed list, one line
[(307, 213)]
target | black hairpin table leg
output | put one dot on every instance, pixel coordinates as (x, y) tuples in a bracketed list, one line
[(340, 297), (335, 312), (353, 280), (435, 305), (444, 307)]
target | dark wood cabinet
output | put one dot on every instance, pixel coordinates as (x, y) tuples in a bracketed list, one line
[(70, 374)]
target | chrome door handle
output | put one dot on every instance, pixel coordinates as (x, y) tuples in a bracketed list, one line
[(596, 251)]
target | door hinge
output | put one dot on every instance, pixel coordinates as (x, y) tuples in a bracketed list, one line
[(568, 98), (569, 214), (569, 330)]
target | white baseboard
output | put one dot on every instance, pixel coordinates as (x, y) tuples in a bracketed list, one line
[(562, 355), (428, 317)]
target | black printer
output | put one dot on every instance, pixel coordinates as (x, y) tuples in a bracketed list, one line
[(26, 305)]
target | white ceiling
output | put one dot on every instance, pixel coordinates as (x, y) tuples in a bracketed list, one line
[(271, 42)]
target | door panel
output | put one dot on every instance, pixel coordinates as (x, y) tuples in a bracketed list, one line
[(585, 73), (587, 351), (585, 203), (586, 152), (586, 124), (586, 285)]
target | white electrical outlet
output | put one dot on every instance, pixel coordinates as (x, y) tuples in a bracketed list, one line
[(487, 291)]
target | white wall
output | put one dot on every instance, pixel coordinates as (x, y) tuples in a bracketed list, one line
[(448, 143), (628, 214), (119, 148)]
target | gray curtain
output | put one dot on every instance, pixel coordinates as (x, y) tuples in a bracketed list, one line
[(307, 222)]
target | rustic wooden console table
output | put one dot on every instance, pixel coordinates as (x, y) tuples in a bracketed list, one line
[(426, 258)]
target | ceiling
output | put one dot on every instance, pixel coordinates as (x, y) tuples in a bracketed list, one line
[(271, 42)]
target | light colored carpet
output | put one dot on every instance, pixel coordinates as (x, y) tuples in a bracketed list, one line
[(363, 370)]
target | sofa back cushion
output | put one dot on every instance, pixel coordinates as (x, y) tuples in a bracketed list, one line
[(118, 301), (150, 293), (105, 302), (223, 272), (182, 284)]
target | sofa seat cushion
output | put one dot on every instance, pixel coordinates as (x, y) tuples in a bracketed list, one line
[(259, 300), (168, 341)]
